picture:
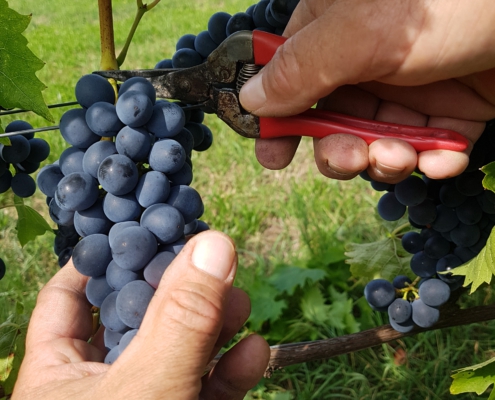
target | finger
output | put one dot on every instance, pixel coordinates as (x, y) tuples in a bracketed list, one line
[(391, 160), (442, 164), (183, 321), (276, 153), (62, 310), (238, 370), (341, 156), (351, 100)]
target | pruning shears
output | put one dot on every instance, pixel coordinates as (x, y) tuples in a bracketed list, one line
[(215, 84)]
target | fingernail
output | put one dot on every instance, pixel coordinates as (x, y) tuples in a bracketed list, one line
[(214, 254), (338, 170), (387, 170), (252, 95)]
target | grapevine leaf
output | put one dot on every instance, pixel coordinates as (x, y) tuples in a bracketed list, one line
[(19, 86), (313, 306), (385, 258), (481, 268), (29, 222), (489, 179), (264, 307), (288, 278), (476, 378)]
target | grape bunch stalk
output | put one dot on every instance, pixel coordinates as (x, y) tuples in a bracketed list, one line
[(453, 217)]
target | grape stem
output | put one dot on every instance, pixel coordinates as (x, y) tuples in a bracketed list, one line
[(295, 353), (141, 10)]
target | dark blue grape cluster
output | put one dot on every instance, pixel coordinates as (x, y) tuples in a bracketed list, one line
[(454, 217), (267, 15), (120, 195), (24, 155)]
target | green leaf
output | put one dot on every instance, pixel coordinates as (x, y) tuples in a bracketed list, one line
[(313, 306), (476, 378), (489, 179), (264, 307), (288, 278), (385, 258), (29, 222), (19, 86), (480, 269)]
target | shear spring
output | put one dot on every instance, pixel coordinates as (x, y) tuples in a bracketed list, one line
[(247, 71)]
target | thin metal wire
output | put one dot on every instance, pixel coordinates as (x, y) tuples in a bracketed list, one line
[(67, 104)]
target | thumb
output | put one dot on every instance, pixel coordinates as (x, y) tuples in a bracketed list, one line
[(183, 321), (347, 43)]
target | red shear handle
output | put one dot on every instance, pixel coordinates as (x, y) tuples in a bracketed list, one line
[(265, 45), (320, 123)]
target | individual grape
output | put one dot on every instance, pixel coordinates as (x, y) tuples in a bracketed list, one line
[(121, 208), (108, 314), (132, 302), (164, 64), (486, 204), (182, 177), (422, 265), (424, 213), (187, 200), (93, 88), (27, 167), (423, 315), (75, 130), (102, 119), (118, 227), (379, 293), (141, 85), (3, 269), (250, 9), (97, 290), (202, 226), (174, 247), (450, 196), (401, 282), (71, 160), (469, 183), (381, 186), (465, 235), (23, 185), (411, 191), (134, 143), (239, 22), (437, 247), (403, 328), (446, 219), (19, 125), (464, 253), (112, 356), (134, 108), (5, 181), (186, 140), (92, 220), (18, 150), (59, 216), (48, 179), (469, 212), (118, 277), (478, 246), (76, 191), (39, 150), (412, 242), (92, 255), (126, 339), (207, 139), (95, 154), (434, 292), (400, 311), (152, 188), (133, 248), (271, 20), (389, 207), (3, 167), (154, 270), (111, 338), (259, 18), (167, 156), (196, 131), (186, 58), (196, 115), (164, 221), (190, 228), (185, 42), (64, 256), (283, 9), (446, 264), (204, 44), (167, 120), (63, 242), (217, 25), (118, 174), (428, 233)]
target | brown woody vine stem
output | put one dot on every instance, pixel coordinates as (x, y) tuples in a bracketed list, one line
[(108, 60), (295, 353)]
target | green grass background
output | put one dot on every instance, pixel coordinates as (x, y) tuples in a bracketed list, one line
[(290, 217)]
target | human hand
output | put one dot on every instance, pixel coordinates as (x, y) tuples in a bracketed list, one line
[(413, 62), (194, 312)]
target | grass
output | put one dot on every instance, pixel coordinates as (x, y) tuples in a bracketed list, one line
[(289, 217)]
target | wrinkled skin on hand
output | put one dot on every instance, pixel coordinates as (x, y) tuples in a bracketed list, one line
[(194, 312), (413, 62)]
